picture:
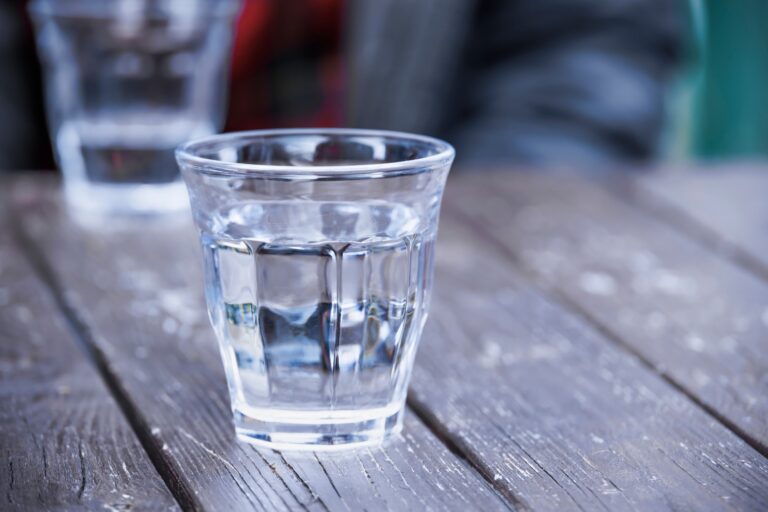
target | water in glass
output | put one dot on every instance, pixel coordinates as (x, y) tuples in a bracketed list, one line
[(318, 306), (126, 83)]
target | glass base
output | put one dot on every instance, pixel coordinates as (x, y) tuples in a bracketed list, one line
[(127, 199), (318, 430)]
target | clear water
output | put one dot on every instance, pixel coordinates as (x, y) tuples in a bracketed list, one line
[(318, 306), (118, 148)]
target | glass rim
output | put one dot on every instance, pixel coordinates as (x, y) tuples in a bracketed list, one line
[(100, 9), (186, 155)]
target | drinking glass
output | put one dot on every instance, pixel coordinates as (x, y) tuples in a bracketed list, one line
[(318, 250), (126, 82)]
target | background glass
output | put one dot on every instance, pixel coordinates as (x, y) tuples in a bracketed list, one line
[(126, 82), (318, 250)]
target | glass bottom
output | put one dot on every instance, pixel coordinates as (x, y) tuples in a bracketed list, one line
[(127, 198), (318, 430)]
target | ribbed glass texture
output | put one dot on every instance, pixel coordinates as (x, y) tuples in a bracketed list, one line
[(318, 253)]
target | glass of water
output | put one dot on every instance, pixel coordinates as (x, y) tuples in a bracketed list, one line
[(318, 253), (127, 81)]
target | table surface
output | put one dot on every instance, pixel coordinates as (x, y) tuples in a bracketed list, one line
[(592, 345)]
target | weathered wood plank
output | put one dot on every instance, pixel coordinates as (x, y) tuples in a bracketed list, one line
[(553, 414), (64, 443), (700, 320), (557, 415), (725, 205), (140, 298)]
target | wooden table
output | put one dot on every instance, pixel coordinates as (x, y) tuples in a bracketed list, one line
[(593, 345)]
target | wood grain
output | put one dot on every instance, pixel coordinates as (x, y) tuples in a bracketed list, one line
[(723, 205), (64, 443), (555, 414), (135, 289), (698, 319), (551, 412)]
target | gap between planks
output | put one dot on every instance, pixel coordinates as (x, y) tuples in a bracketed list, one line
[(571, 305), (81, 332), (642, 198), (434, 426)]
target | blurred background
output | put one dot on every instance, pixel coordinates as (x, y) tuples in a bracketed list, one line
[(525, 83)]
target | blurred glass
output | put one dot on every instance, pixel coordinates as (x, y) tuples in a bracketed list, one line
[(126, 82)]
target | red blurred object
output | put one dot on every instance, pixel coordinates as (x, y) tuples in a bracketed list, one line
[(287, 65)]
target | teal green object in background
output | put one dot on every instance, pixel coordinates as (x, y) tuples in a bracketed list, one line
[(729, 114)]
